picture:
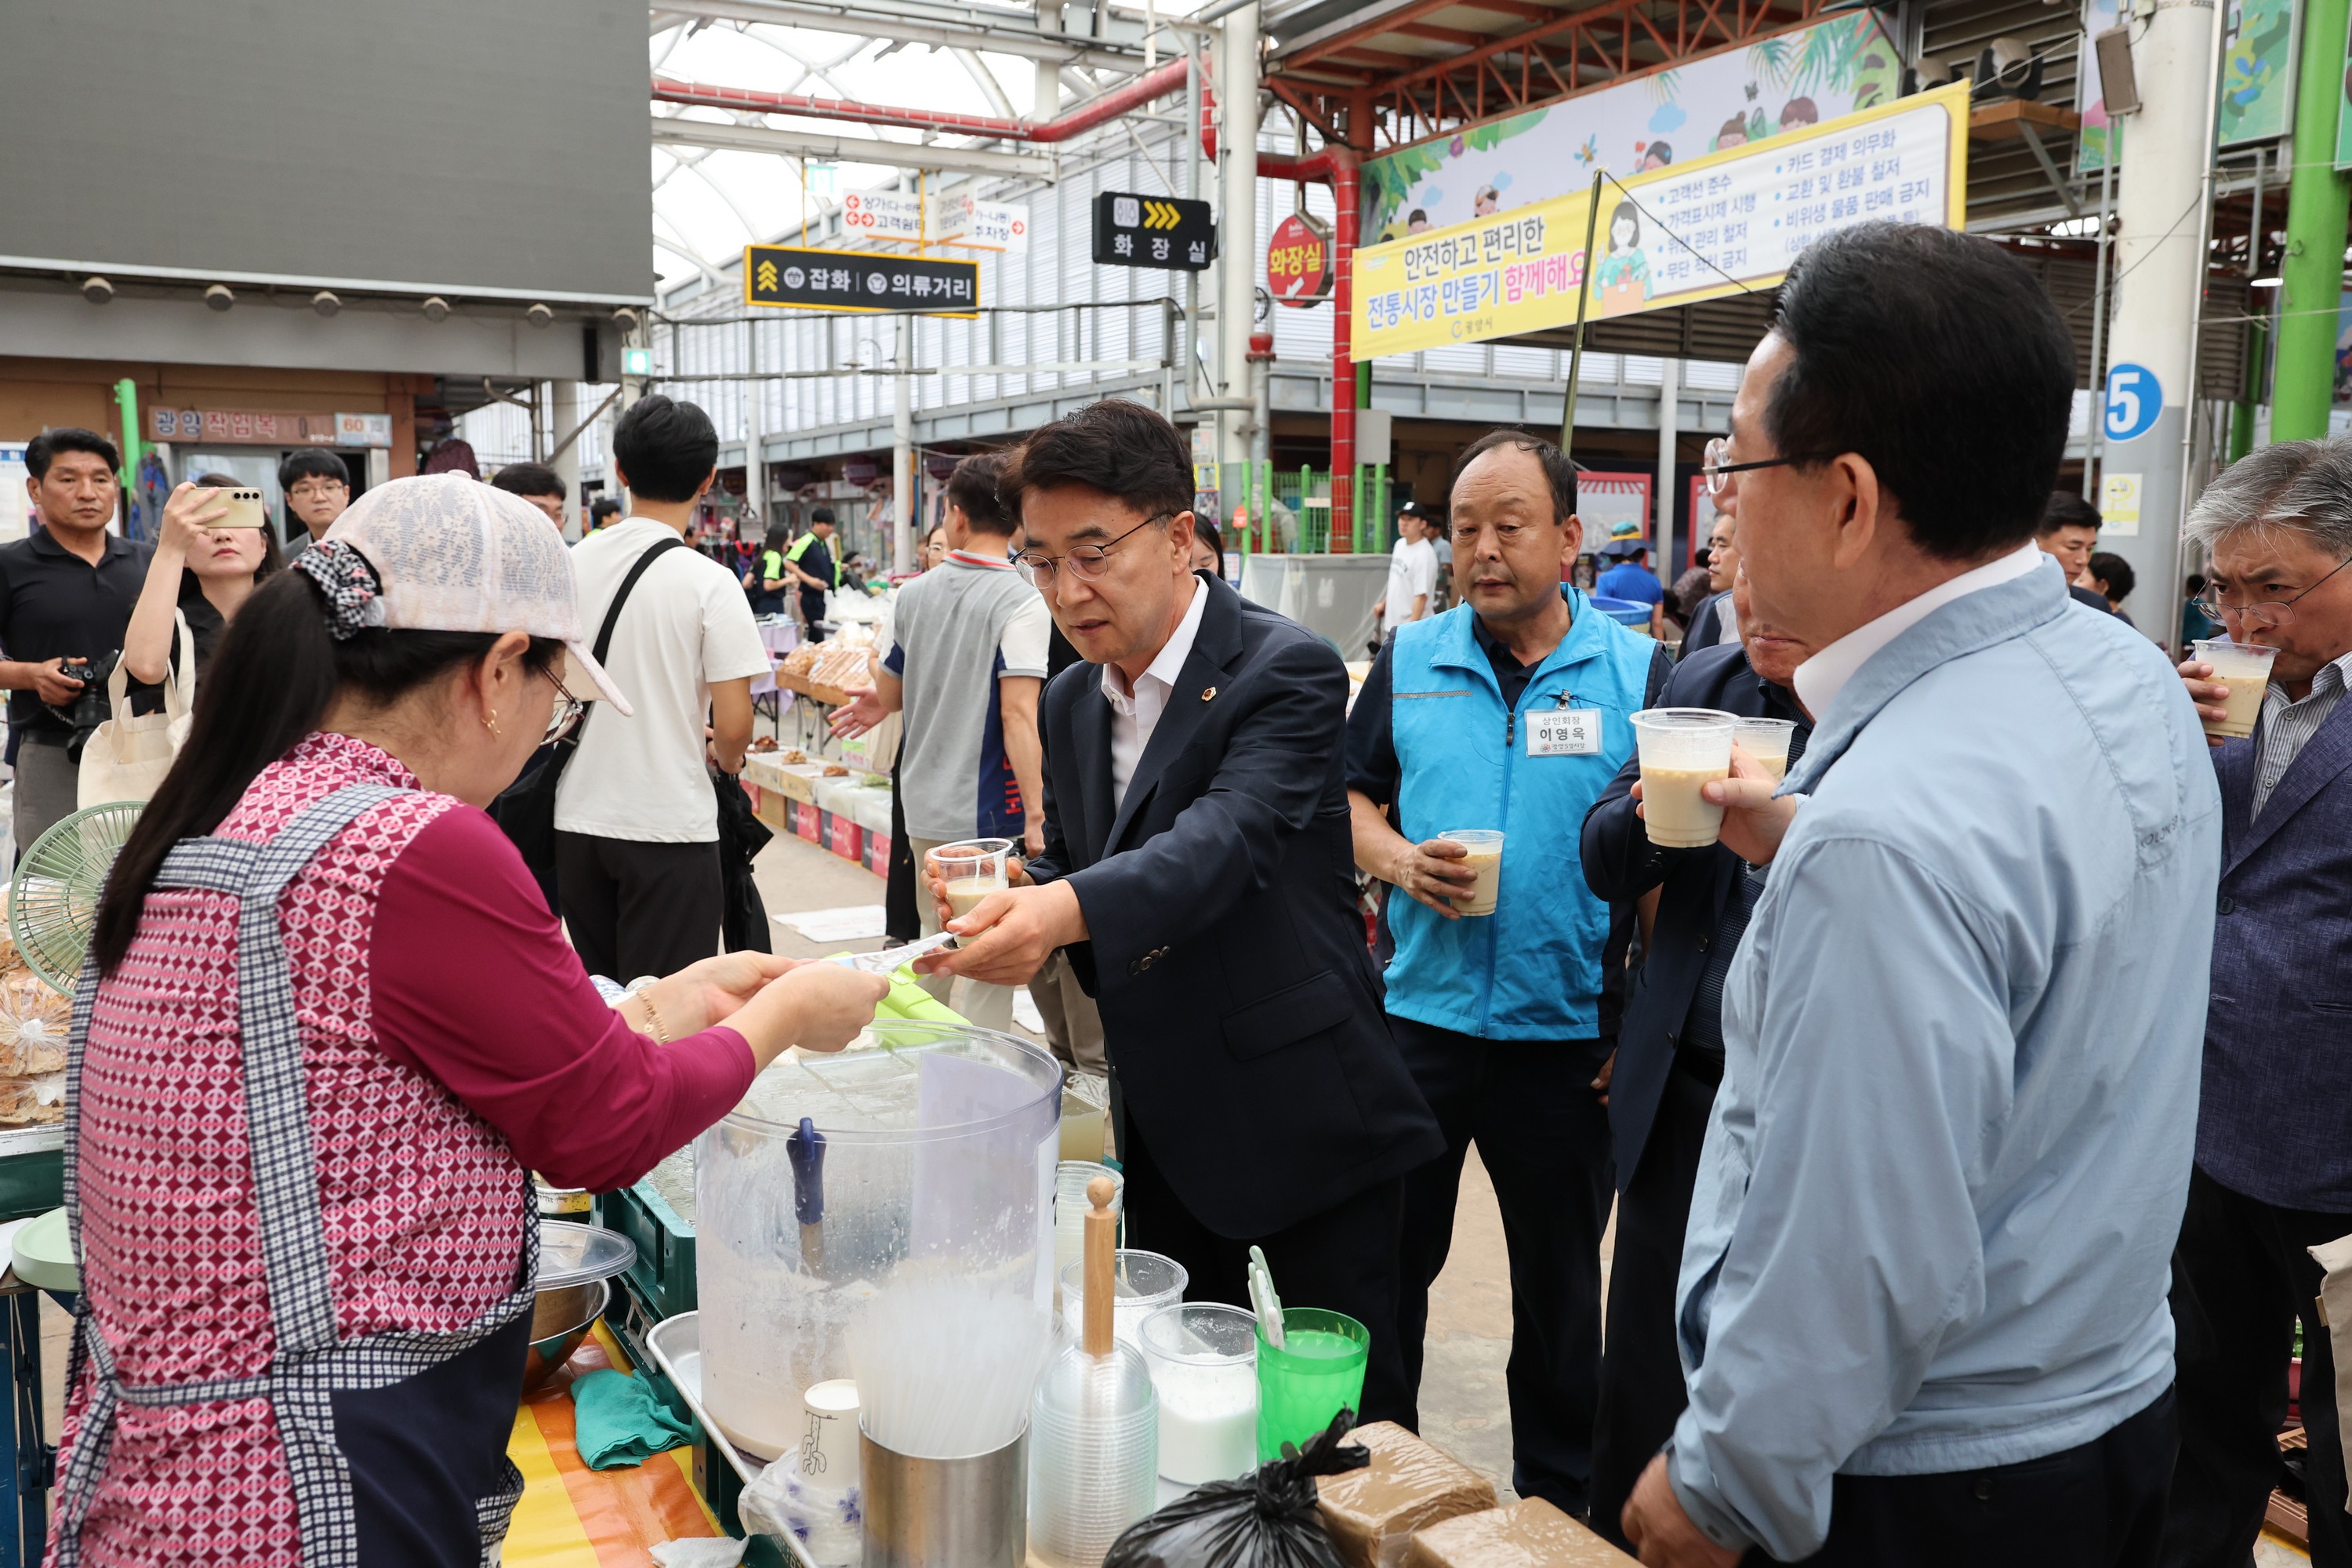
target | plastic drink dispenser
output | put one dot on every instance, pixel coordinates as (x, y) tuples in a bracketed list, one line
[(926, 1161)]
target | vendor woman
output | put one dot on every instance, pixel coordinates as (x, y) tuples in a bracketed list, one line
[(327, 1030)]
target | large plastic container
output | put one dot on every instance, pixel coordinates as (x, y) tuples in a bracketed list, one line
[(936, 1161)]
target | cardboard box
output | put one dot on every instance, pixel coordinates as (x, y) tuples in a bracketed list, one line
[(804, 823), (877, 853), (772, 809), (1410, 1484), (844, 837), (797, 781), (1530, 1533)]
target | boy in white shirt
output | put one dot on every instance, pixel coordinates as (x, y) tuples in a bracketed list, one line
[(637, 817)]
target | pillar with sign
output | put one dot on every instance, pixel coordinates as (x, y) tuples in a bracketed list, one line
[(2160, 272)]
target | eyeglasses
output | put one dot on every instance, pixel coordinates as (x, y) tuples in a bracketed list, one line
[(1087, 563), (2268, 616), (1715, 471), (318, 491), (568, 712)]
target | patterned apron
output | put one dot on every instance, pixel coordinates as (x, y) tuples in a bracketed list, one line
[(311, 1363)]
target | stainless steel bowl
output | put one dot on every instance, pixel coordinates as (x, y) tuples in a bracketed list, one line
[(560, 1319)]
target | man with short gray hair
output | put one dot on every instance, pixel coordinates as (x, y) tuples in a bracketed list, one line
[(2274, 1173)]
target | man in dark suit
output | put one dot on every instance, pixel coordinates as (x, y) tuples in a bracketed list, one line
[(2274, 1173), (1199, 873), (1670, 1050)]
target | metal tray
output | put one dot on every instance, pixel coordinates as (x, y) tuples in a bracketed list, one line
[(676, 1346)]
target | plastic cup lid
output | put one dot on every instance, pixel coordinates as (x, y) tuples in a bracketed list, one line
[(581, 1254)]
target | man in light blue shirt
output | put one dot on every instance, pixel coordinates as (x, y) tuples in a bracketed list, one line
[(1922, 1310)]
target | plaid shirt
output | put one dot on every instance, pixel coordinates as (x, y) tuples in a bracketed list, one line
[(2288, 726)]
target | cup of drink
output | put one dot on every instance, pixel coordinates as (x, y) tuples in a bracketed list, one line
[(1318, 1372), (1682, 748), (2246, 666), (1203, 1358), (972, 869), (1485, 858), (1766, 741)]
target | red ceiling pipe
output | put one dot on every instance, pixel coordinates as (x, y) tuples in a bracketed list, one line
[(1119, 100), (1315, 169)]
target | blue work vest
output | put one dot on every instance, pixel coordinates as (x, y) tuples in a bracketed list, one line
[(1531, 970)]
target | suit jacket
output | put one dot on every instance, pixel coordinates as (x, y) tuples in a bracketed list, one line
[(1241, 1009), (2274, 1121), (1705, 625), (1621, 863)]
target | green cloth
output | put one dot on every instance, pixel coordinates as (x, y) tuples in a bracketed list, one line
[(619, 1421)]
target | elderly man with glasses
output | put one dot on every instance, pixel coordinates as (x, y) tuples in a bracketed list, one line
[(1921, 1310), (2274, 1173), (1198, 871)]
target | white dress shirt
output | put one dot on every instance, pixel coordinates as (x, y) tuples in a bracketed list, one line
[(1820, 678), (1135, 711)]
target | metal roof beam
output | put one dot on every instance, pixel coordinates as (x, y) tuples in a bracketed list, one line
[(944, 27), (832, 148)]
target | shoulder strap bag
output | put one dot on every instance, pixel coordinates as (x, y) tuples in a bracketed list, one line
[(526, 810)]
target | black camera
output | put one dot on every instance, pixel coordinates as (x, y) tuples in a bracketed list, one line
[(87, 712)]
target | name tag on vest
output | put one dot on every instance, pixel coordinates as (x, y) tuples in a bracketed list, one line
[(1564, 733)]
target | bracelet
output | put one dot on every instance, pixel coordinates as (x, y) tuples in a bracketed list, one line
[(660, 1030)]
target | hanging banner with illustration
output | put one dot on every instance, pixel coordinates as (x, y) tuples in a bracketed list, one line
[(1741, 95), (1729, 223), (2258, 62)]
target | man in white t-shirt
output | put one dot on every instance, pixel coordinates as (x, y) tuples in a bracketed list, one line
[(637, 817), (1412, 572)]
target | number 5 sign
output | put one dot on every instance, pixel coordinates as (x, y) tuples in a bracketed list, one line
[(2135, 398)]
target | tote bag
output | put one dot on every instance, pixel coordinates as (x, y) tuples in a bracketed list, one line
[(127, 757)]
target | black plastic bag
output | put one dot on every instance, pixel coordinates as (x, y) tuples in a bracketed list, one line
[(1262, 1520)]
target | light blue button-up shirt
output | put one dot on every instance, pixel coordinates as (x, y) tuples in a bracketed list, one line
[(1942, 1180)]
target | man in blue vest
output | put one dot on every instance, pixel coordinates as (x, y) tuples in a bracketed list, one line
[(1511, 712)]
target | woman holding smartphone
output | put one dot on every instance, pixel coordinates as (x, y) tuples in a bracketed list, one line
[(204, 568)]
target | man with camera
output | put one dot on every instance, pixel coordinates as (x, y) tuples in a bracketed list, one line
[(66, 596)]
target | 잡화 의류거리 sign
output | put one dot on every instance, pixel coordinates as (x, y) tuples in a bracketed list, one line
[(798, 278)]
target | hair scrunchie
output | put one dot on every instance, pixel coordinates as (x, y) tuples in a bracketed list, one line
[(354, 593)]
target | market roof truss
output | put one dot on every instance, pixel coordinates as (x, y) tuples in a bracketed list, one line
[(1422, 67), (933, 23)]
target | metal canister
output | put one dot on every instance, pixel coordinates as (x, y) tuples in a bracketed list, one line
[(561, 1203), (970, 1512)]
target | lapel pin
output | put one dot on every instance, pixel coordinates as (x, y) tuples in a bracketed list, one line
[(1208, 694)]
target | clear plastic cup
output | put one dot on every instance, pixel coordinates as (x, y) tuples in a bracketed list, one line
[(1070, 1206), (2246, 666), (972, 869), (1204, 1362), (1141, 1283), (1766, 741), (1485, 857), (1682, 748)]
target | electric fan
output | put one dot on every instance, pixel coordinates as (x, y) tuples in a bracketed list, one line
[(53, 904)]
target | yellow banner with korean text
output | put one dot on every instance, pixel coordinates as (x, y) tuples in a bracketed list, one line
[(1729, 223)]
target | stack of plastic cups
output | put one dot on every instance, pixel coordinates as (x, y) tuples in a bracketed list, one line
[(1094, 1428), (1071, 1178), (1143, 1283)]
